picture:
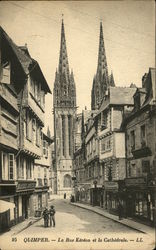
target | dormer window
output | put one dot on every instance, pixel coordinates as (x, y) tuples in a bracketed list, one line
[(6, 72)]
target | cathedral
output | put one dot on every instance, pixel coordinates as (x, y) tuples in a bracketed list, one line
[(101, 80), (64, 104)]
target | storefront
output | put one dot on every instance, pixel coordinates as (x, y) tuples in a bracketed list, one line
[(84, 194), (140, 200), (111, 196), (95, 196), (22, 199)]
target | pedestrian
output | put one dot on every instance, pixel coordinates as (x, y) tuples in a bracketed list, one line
[(120, 210), (52, 215), (46, 217), (64, 195)]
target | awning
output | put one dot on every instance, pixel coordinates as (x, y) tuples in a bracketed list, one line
[(5, 205)]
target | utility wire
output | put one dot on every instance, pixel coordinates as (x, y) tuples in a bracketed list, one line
[(118, 25), (84, 31)]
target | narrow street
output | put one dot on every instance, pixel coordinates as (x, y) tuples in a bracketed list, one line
[(74, 219)]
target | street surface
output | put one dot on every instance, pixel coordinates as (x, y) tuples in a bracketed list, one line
[(74, 225), (74, 219)]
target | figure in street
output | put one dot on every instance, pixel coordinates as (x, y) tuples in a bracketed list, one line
[(52, 216), (46, 217), (64, 195)]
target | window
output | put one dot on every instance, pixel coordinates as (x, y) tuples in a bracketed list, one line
[(143, 136), (102, 145), (90, 172), (44, 148), (20, 167), (108, 144), (42, 99), (63, 134), (5, 75), (104, 118), (39, 201), (109, 174), (145, 167), (34, 129), (132, 139), (4, 166), (67, 181), (11, 166), (38, 132), (28, 169), (45, 172), (39, 175), (28, 126)]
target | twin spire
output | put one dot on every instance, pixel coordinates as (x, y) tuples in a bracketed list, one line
[(102, 61), (102, 80), (63, 60), (64, 85)]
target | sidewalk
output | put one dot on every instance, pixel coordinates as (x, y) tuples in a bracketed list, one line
[(18, 228), (126, 222)]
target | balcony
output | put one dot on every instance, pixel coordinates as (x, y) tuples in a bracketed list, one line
[(25, 185), (143, 151)]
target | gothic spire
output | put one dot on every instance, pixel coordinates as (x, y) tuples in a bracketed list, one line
[(111, 80), (102, 61), (101, 80), (63, 60)]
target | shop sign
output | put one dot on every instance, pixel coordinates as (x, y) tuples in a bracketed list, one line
[(134, 181), (111, 185), (25, 186)]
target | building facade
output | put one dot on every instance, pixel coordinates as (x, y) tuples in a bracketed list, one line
[(42, 176), (112, 143), (23, 90), (140, 127), (64, 120)]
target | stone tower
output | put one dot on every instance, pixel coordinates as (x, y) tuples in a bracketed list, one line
[(64, 103), (101, 80)]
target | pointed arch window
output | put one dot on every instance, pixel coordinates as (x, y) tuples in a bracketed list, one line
[(67, 181)]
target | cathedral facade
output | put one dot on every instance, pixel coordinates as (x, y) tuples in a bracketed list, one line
[(64, 104)]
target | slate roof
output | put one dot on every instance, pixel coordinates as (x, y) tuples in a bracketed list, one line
[(24, 60), (118, 96), (23, 57), (151, 87)]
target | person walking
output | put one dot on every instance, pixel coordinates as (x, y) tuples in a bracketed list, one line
[(46, 217), (52, 215)]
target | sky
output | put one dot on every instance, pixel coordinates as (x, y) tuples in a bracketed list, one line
[(129, 36)]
